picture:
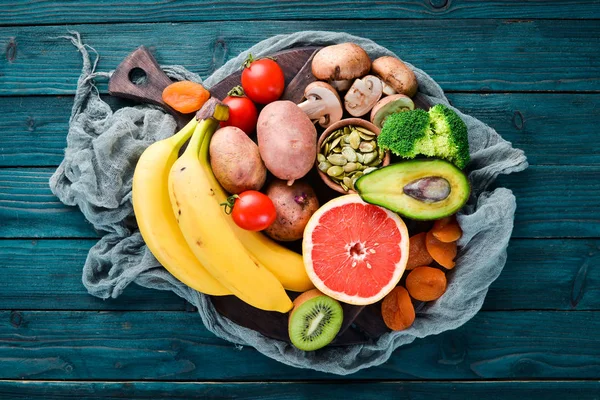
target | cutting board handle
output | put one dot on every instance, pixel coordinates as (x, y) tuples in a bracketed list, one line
[(140, 78)]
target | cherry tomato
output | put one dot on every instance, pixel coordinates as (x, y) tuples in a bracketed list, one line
[(253, 210), (242, 111), (262, 80)]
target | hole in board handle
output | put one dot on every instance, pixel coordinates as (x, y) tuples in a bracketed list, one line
[(138, 76)]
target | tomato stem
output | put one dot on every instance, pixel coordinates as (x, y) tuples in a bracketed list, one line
[(236, 91), (228, 205)]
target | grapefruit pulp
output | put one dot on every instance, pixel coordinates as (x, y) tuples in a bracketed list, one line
[(353, 251)]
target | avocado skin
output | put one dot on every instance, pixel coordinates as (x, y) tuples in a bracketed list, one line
[(384, 187)]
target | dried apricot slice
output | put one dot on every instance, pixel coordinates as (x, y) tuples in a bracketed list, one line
[(442, 253), (397, 309), (185, 96), (426, 283), (447, 229), (417, 252)]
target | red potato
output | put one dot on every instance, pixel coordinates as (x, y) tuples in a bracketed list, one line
[(235, 161), (295, 205), (287, 140)]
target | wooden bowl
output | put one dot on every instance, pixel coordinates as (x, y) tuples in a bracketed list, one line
[(334, 127)]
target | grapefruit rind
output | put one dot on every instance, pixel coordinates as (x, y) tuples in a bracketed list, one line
[(307, 247)]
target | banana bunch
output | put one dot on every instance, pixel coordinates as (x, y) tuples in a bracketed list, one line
[(177, 206)]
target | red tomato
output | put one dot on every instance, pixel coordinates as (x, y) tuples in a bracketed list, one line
[(253, 211), (262, 80), (242, 113)]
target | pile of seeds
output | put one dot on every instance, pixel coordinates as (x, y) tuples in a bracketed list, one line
[(349, 153)]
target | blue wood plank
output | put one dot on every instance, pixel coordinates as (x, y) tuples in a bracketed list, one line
[(29, 210), (499, 55), (34, 128), (511, 390), (175, 346), (556, 201), (46, 275), (25, 12)]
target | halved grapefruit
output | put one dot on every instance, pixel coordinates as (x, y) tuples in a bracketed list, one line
[(353, 251)]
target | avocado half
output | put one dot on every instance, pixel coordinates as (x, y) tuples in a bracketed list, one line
[(418, 189)]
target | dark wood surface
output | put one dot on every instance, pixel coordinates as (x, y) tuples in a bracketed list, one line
[(529, 69)]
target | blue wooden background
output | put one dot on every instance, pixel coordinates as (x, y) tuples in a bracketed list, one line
[(530, 69)]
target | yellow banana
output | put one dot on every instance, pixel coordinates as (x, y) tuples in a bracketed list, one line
[(158, 226), (285, 264), (206, 230)]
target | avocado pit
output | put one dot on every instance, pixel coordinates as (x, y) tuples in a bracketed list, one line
[(430, 189)]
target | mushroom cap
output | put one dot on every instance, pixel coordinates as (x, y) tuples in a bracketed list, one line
[(341, 62), (363, 95), (329, 111), (390, 105), (396, 74)]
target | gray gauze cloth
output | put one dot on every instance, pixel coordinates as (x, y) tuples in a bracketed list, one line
[(102, 150)]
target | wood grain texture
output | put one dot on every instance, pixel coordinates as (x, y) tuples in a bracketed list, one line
[(556, 201), (539, 275), (46, 274), (90, 11), (499, 55), (469, 390), (552, 129), (175, 346), (28, 209)]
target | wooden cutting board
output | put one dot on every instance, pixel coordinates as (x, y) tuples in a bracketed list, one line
[(361, 324)]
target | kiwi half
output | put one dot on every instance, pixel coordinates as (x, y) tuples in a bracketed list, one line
[(314, 321)]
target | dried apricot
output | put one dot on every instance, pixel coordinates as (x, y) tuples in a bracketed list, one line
[(426, 283), (185, 96), (417, 252), (397, 309), (447, 229), (442, 253)]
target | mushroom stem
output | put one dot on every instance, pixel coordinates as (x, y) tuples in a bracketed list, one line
[(387, 89), (313, 107)]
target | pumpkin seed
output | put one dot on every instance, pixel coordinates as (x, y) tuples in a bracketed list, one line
[(326, 149), (375, 163), (350, 167), (324, 166), (335, 142), (346, 138), (349, 154), (366, 147), (348, 182), (360, 158), (321, 158), (355, 140), (337, 159), (366, 171), (346, 130), (356, 174), (364, 136), (365, 131), (335, 171), (344, 186), (336, 150), (369, 157)]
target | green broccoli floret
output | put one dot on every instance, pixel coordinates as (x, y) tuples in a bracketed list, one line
[(438, 133)]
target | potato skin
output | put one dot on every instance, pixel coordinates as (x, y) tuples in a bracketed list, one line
[(287, 140), (295, 205), (235, 161)]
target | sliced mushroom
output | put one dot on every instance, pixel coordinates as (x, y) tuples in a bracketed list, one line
[(322, 104), (390, 105), (339, 64), (363, 95), (395, 74)]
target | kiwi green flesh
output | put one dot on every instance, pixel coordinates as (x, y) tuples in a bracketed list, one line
[(315, 323)]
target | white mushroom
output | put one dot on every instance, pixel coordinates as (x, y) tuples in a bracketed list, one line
[(390, 105), (339, 64), (363, 95), (322, 104)]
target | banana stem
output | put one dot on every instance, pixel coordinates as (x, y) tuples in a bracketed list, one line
[(184, 134)]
